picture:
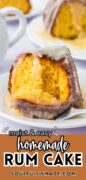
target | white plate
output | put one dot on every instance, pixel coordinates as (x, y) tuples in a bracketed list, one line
[(40, 37), (37, 8), (6, 112)]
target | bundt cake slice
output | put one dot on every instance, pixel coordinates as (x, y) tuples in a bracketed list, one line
[(23, 5), (66, 18), (44, 84)]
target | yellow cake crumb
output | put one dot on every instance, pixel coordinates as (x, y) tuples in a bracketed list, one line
[(40, 80)]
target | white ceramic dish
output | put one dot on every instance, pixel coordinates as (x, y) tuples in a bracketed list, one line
[(6, 112), (37, 8), (40, 37)]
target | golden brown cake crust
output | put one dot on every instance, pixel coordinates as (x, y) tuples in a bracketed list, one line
[(52, 111), (52, 11)]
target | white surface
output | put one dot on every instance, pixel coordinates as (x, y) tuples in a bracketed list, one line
[(36, 35), (39, 4), (6, 112)]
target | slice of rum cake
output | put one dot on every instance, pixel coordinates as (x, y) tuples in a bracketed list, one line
[(44, 83)]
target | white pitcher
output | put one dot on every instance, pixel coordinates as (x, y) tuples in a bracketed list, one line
[(5, 40)]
